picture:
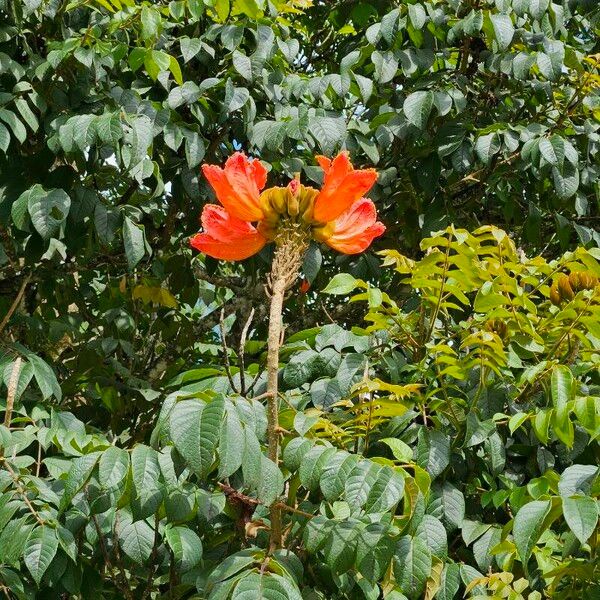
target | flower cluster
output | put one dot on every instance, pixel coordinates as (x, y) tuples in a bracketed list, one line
[(338, 214)]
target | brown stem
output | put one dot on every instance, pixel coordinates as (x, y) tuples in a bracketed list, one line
[(12, 391), (291, 246), (274, 341)]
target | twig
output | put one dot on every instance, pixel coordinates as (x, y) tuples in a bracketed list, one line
[(12, 391), (21, 490), (15, 304), (231, 492), (241, 352), (226, 351), (109, 566)]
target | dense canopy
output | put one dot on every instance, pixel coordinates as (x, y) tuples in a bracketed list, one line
[(438, 384)]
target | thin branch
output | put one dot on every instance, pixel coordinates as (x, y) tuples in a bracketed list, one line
[(231, 492), (226, 351), (241, 352), (15, 304), (22, 492)]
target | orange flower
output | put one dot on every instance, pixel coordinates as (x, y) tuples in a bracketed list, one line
[(337, 215), (238, 185), (342, 186), (226, 237), (354, 230)]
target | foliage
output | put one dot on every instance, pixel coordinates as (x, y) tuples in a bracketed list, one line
[(445, 446), (451, 444)]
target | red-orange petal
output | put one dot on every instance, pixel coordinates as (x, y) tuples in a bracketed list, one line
[(238, 185), (226, 237), (342, 186), (355, 229)]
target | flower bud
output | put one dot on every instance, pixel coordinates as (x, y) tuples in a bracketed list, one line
[(575, 281), (564, 287), (554, 295)]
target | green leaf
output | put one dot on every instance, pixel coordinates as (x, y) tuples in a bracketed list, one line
[(342, 284), (13, 539), (487, 146), (417, 107), (27, 114), (270, 484), (503, 30), (236, 99), (432, 532), (516, 421), (566, 180), (553, 150), (335, 473), (48, 210), (109, 128), (449, 582), (4, 138), (231, 444), (45, 377), (146, 473), (151, 22), (312, 466), (448, 504), (134, 242), (402, 452), (186, 547), (189, 47), (194, 148), (412, 566), (39, 551), (417, 15), (195, 428), (433, 451), (386, 66), (328, 132), (175, 70), (78, 475), (386, 492), (113, 467), (302, 367), (267, 586), (137, 540), (483, 546), (563, 391), (243, 65), (360, 483), (578, 480), (581, 515), (15, 124), (528, 526)]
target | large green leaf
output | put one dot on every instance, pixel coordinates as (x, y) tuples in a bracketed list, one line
[(528, 526), (581, 515), (78, 475), (113, 467), (146, 479), (195, 428), (48, 210), (417, 107), (186, 546), (137, 540), (134, 241), (266, 585), (412, 566), (40, 550)]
